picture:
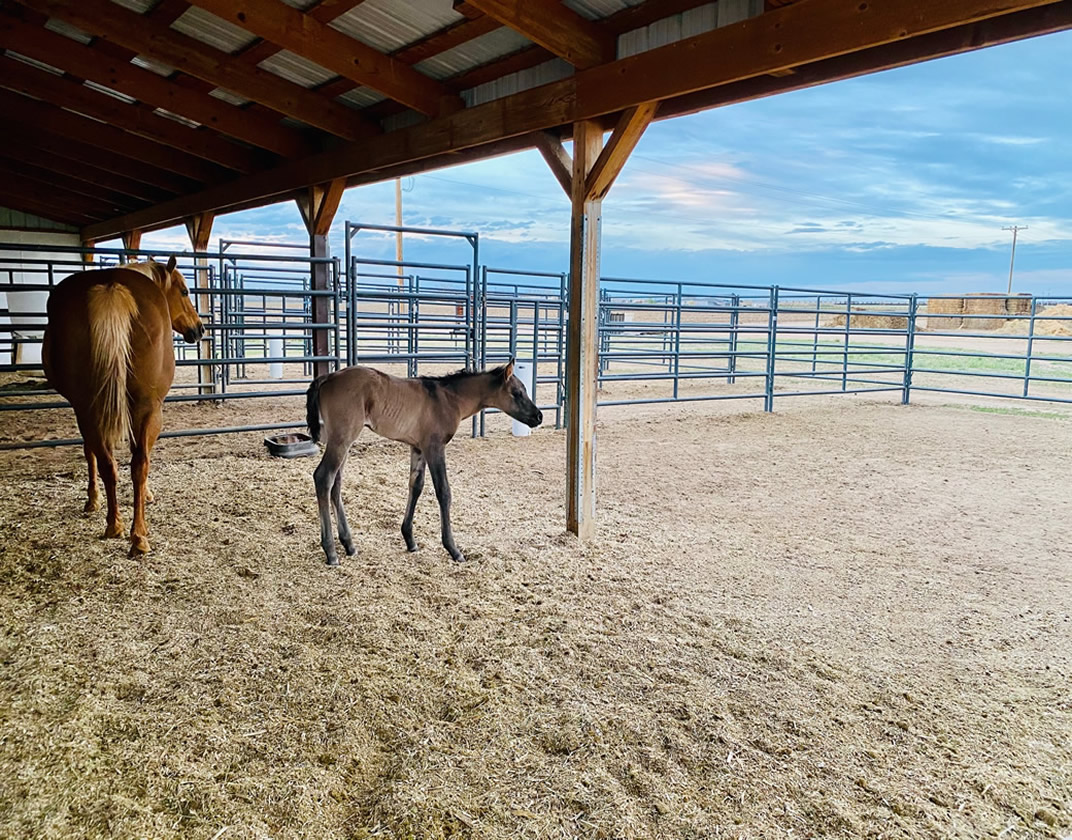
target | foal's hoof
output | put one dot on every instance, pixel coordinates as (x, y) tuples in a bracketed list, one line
[(413, 549), (332, 561), (458, 558), (351, 549), (139, 546)]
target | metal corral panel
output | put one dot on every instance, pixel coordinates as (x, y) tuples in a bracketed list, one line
[(473, 53), (541, 74), (63, 28), (296, 69), (360, 97), (597, 9), (153, 65), (389, 25), (211, 30)]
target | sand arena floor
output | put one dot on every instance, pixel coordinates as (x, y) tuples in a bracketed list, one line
[(844, 619)]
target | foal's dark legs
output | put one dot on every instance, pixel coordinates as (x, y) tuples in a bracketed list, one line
[(325, 477), (437, 463), (345, 537), (416, 485)]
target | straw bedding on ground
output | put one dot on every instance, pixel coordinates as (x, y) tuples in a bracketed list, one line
[(842, 620)]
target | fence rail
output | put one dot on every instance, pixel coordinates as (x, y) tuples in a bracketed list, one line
[(659, 341)]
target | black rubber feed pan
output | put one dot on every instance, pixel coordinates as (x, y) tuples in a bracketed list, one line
[(291, 445)]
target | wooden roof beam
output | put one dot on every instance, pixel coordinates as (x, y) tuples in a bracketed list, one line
[(15, 162), (18, 183), (40, 84), (556, 28), (306, 36), (141, 34), (591, 94), (31, 204), (96, 65)]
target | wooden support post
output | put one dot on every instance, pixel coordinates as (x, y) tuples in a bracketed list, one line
[(591, 175), (318, 205), (87, 256), (132, 242), (199, 228)]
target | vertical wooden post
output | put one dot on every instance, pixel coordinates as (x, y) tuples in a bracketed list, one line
[(317, 206), (87, 256), (132, 242), (199, 228), (587, 178), (582, 349)]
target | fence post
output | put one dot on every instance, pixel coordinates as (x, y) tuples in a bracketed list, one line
[(1030, 345), (910, 345), (772, 349), (845, 347), (677, 342), (735, 318)]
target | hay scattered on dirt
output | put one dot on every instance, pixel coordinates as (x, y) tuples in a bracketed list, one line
[(1042, 326), (820, 622)]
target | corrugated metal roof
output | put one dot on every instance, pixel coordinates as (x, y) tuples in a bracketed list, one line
[(300, 4), (211, 30), (122, 97), (179, 119), (541, 74), (685, 25), (136, 5), (152, 65), (403, 120), (227, 96), (731, 11), (294, 68), (63, 28), (596, 9), (360, 97), (489, 47), (389, 25), (33, 62)]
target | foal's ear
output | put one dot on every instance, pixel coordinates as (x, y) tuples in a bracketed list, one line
[(508, 371)]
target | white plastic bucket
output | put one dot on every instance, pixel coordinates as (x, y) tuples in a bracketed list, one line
[(523, 371)]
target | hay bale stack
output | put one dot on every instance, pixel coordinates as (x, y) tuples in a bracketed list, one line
[(1018, 304), (871, 321), (945, 313), (984, 303)]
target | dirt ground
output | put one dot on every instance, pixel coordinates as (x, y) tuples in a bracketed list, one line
[(845, 619)]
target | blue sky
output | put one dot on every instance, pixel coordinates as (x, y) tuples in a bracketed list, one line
[(899, 181)]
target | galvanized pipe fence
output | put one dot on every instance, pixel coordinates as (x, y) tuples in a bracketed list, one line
[(660, 341)]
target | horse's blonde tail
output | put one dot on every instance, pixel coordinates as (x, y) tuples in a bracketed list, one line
[(112, 310)]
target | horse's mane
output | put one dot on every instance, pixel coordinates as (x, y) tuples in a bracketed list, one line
[(146, 267), (457, 376)]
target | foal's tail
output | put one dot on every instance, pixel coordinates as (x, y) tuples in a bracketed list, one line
[(112, 310), (312, 407)]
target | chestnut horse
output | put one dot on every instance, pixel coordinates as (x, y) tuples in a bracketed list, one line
[(108, 350), (424, 412)]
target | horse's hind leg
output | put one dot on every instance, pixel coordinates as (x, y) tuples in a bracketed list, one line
[(146, 431), (92, 494), (345, 537), (324, 476), (109, 474)]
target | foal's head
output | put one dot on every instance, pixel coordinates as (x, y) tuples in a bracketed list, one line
[(508, 394), (184, 318)]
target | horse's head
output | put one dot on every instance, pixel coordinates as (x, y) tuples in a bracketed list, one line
[(508, 394), (184, 318)]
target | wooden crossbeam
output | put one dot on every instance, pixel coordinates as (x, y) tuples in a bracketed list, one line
[(94, 192), (140, 33), (31, 204), (590, 94), (40, 84), (18, 183), (132, 242), (555, 27), (558, 159), (96, 65), (306, 36)]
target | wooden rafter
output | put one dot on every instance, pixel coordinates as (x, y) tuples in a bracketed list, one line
[(16, 183), (164, 166), (31, 204), (96, 65), (622, 141), (593, 93), (40, 84), (558, 159), (139, 33), (303, 34), (45, 175), (555, 27), (318, 204)]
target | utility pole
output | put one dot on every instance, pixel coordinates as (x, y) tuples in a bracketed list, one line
[(1015, 230), (398, 223)]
